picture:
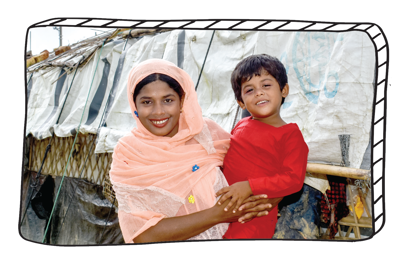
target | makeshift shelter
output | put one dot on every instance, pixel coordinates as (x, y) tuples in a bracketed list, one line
[(77, 104)]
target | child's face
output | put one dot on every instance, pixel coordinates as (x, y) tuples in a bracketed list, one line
[(262, 97), (158, 107)]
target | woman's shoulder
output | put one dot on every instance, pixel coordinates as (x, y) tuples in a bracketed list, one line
[(210, 122), (212, 125), (216, 130)]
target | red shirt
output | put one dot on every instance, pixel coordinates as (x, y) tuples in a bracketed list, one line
[(273, 160)]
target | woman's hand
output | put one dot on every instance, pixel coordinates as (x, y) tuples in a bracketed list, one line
[(257, 206), (225, 216)]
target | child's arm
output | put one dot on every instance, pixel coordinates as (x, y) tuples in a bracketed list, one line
[(238, 192), (292, 174)]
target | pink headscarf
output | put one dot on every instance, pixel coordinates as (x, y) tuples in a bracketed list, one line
[(153, 175)]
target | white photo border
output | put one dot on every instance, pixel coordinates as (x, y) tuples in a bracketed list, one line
[(374, 30)]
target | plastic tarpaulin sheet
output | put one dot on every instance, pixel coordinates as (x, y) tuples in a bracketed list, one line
[(299, 215), (330, 77), (90, 218)]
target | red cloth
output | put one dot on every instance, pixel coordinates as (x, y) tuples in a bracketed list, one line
[(273, 160), (337, 196)]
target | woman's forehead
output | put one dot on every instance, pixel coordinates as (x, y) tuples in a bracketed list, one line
[(157, 88)]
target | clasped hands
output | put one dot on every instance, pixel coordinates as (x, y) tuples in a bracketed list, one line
[(242, 199)]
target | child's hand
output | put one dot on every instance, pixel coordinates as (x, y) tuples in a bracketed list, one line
[(238, 192)]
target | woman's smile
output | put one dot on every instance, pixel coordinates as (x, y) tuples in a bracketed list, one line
[(160, 123)]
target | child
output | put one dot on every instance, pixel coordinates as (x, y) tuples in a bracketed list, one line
[(267, 155)]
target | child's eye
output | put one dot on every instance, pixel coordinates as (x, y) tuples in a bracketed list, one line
[(249, 90), (267, 85)]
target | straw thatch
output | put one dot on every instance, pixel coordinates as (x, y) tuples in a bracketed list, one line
[(70, 56)]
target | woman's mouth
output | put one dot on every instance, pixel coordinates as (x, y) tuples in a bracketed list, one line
[(160, 123)]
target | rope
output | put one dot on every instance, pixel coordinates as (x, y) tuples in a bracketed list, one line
[(73, 145), (30, 79), (235, 118), (86, 160), (205, 58), (48, 148), (127, 39)]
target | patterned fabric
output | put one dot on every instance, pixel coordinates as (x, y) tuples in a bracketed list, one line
[(337, 197), (299, 215)]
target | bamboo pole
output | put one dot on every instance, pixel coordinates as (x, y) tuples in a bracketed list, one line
[(349, 231), (61, 49), (356, 228), (363, 221), (37, 58), (363, 197), (338, 171), (30, 158), (340, 232)]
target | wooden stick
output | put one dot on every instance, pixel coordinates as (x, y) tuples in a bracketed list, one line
[(348, 231), (356, 229), (356, 232), (355, 225), (348, 220), (345, 239), (362, 197), (338, 171), (340, 232), (30, 160), (37, 58)]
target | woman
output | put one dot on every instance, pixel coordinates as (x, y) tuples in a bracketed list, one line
[(167, 170)]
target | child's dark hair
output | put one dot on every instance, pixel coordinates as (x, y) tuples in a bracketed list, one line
[(155, 77), (252, 66)]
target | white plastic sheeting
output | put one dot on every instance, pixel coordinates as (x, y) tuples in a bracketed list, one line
[(330, 75)]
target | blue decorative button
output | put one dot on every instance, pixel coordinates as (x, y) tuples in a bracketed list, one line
[(195, 168)]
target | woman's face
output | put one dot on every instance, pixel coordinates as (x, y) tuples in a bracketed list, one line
[(158, 107)]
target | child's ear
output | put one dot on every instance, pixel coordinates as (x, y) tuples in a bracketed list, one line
[(285, 91), (241, 104)]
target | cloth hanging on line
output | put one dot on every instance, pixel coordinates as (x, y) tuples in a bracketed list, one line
[(299, 217), (337, 197)]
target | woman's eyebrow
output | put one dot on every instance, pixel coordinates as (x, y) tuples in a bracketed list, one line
[(148, 98), (144, 98)]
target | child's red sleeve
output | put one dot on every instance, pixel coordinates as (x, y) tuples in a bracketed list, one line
[(292, 174)]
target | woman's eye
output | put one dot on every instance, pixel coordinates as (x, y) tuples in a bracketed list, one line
[(168, 100), (146, 102)]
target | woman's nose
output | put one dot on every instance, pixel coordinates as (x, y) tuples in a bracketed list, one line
[(158, 109)]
